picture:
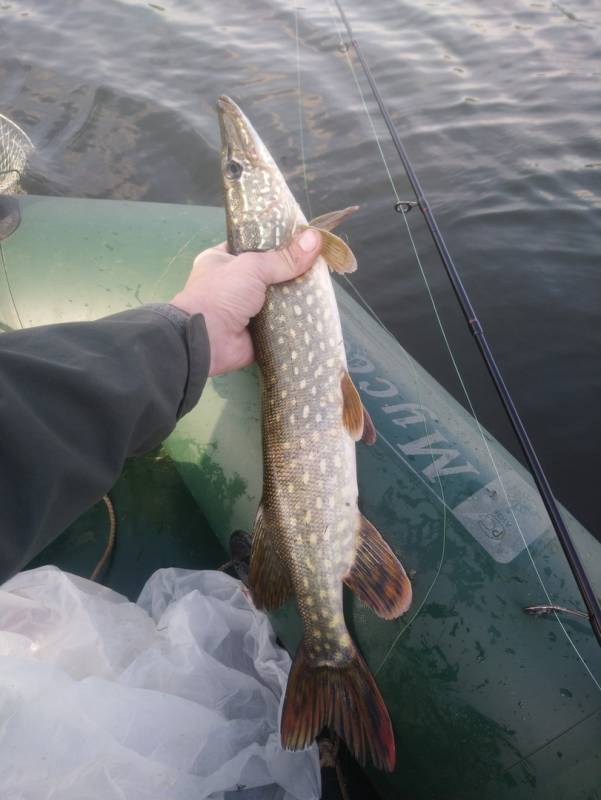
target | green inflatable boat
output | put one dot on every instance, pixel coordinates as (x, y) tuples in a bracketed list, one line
[(487, 701)]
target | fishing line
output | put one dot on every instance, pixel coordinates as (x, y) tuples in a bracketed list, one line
[(346, 49), (301, 128), (441, 498)]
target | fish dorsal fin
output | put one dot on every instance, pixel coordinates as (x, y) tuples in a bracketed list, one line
[(331, 220), (354, 414), (377, 576), (268, 579)]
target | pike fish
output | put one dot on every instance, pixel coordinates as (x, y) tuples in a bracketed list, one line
[(309, 536)]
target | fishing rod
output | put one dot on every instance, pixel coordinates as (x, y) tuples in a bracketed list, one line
[(586, 590)]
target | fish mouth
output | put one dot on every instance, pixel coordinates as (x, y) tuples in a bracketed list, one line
[(238, 137), (226, 105)]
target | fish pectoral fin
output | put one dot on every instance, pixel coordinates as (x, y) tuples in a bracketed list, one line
[(377, 576), (335, 251), (354, 414), (268, 578), (331, 220), (345, 699)]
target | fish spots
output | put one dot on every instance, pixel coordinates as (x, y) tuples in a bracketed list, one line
[(316, 634), (330, 362), (319, 327), (322, 345), (337, 461), (290, 488), (296, 370), (292, 419), (297, 310), (285, 290), (305, 478), (309, 564), (270, 305), (286, 445), (315, 436), (318, 372), (310, 356), (306, 337), (318, 417), (310, 299), (322, 466), (284, 394), (280, 340), (294, 355), (307, 521), (314, 390), (292, 333), (281, 318), (303, 383), (305, 411), (313, 536), (318, 503), (305, 582)]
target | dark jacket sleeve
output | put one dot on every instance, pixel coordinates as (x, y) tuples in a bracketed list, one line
[(77, 399)]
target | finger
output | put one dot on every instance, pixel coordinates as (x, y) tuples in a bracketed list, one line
[(276, 266)]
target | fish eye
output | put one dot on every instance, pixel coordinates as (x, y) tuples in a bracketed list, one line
[(233, 169)]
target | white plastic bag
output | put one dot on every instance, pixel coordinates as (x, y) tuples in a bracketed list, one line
[(176, 697)]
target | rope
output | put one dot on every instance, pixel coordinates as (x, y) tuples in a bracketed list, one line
[(110, 544)]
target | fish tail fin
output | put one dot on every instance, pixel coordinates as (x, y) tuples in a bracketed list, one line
[(345, 699)]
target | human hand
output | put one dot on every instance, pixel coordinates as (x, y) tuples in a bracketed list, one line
[(228, 290)]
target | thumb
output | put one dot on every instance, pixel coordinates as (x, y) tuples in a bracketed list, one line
[(276, 266)]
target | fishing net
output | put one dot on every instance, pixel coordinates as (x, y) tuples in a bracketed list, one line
[(15, 146)]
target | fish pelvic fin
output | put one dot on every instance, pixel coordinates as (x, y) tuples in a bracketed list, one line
[(377, 577), (345, 699), (268, 579), (354, 414)]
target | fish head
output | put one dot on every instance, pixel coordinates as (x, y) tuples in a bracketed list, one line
[(261, 212)]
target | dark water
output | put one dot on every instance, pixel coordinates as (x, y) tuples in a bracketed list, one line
[(499, 105)]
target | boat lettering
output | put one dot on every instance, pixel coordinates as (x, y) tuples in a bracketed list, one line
[(416, 413), (412, 414), (423, 447), (391, 391)]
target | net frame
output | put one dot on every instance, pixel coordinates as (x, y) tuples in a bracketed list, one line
[(15, 146)]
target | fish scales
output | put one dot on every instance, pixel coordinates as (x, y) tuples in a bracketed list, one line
[(310, 480), (309, 536)]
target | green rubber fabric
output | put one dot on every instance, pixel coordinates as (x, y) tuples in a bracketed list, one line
[(486, 700)]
